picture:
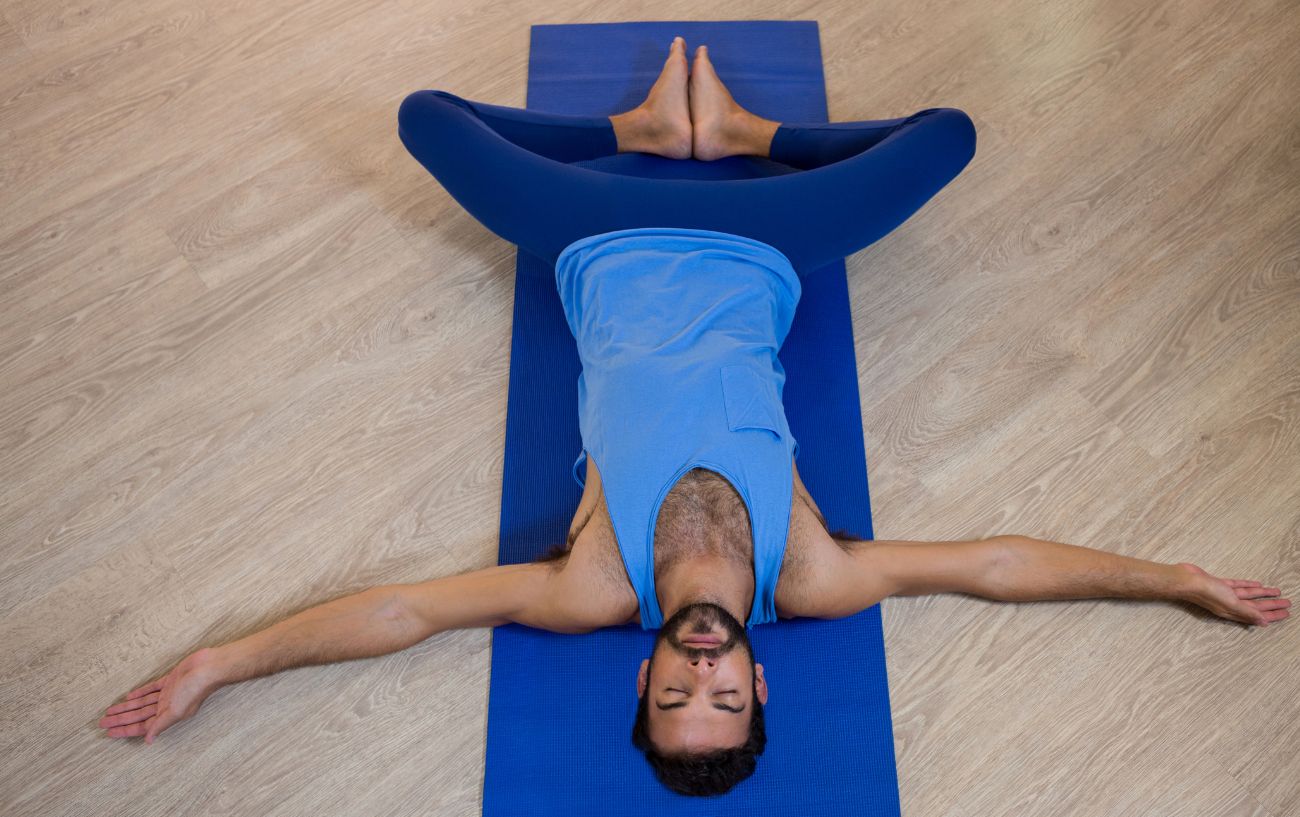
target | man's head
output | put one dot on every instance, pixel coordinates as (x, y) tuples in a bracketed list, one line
[(700, 718)]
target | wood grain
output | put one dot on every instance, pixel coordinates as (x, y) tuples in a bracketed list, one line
[(254, 358)]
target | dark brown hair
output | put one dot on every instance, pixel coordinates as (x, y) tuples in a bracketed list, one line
[(701, 774)]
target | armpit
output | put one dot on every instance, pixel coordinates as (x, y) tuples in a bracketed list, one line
[(806, 537)]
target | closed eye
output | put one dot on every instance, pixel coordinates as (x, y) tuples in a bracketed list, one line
[(723, 692), (717, 705)]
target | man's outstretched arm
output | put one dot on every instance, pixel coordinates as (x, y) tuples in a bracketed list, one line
[(393, 617), (371, 622), (1033, 569), (1021, 568)]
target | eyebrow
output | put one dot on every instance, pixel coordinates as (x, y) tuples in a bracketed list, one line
[(680, 704)]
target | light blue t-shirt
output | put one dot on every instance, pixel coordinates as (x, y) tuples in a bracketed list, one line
[(678, 332)]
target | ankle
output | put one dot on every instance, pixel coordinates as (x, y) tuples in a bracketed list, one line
[(754, 133), (630, 130), (763, 132)]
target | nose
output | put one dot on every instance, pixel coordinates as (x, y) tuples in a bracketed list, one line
[(703, 664)]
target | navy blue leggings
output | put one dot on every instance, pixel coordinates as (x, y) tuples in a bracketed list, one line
[(838, 186)]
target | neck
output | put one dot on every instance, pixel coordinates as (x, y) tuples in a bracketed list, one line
[(707, 578)]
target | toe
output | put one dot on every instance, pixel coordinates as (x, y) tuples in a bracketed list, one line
[(702, 61), (677, 51)]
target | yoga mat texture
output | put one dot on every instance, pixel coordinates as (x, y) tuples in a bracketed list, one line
[(561, 706)]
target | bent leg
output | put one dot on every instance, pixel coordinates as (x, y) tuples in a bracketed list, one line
[(515, 180), (846, 200), (813, 216)]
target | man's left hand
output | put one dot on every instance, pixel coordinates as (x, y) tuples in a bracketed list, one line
[(1241, 600)]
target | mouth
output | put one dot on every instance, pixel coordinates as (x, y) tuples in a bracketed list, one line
[(701, 641)]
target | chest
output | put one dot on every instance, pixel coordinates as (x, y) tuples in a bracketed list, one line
[(702, 516), (699, 517)]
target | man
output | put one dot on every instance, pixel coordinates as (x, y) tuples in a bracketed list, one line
[(697, 457), (700, 689)]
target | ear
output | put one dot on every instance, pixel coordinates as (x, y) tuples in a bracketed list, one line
[(641, 678), (760, 684)]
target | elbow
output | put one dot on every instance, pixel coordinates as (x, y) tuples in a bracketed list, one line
[(394, 610), (1007, 547), (1003, 554)]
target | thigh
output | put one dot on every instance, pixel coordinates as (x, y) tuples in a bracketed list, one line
[(525, 197), (830, 212)]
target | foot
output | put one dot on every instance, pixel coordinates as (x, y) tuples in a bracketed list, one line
[(721, 126), (662, 123)]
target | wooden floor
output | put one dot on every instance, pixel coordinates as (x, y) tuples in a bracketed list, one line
[(253, 358)]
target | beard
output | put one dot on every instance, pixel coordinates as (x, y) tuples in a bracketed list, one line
[(700, 618)]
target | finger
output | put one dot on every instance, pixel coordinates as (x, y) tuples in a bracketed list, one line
[(1256, 592), (1263, 619), (134, 703), (151, 729), (134, 730), (134, 716), (1241, 583), (1271, 604), (152, 686), (165, 719)]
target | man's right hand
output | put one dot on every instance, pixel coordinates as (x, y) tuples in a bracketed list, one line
[(373, 622), (165, 701)]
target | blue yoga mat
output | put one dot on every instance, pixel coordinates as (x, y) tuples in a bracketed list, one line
[(561, 706)]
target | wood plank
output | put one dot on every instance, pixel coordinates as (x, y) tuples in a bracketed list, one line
[(253, 357)]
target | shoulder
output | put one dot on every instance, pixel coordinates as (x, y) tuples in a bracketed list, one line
[(807, 553), (589, 583), (822, 576), (814, 564)]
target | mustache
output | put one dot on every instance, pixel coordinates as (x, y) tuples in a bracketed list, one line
[(701, 619), (714, 653)]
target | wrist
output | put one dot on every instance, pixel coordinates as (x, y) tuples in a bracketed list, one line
[(222, 664), (1185, 583)]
